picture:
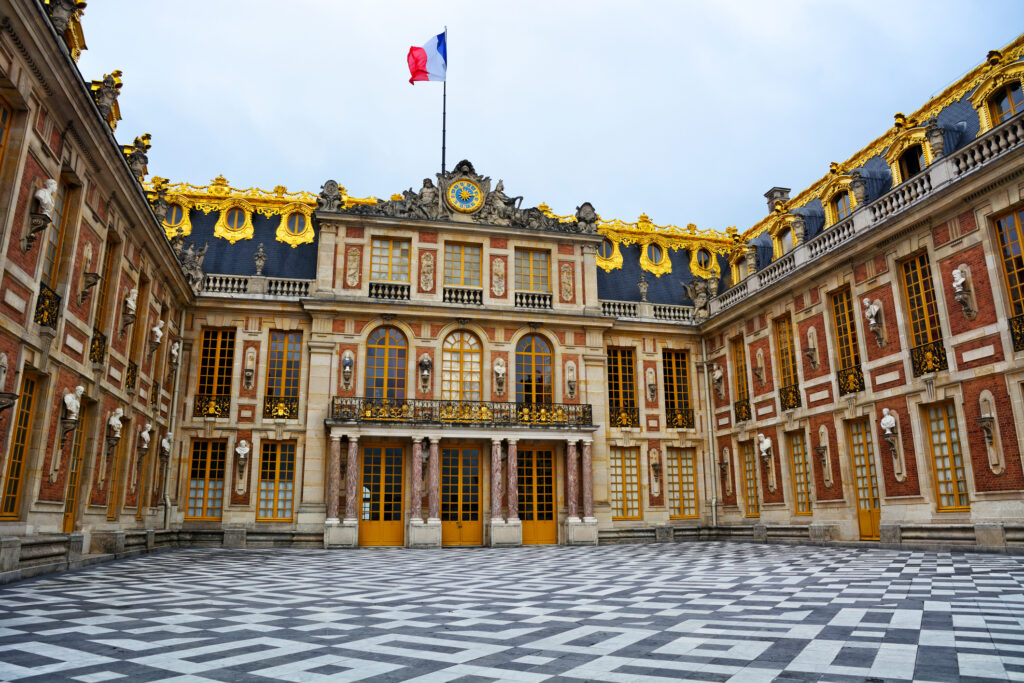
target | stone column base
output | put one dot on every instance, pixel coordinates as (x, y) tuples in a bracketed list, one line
[(234, 537), (341, 534), (990, 535), (425, 534), (581, 532), (889, 534), (108, 542), (506, 534), (822, 532)]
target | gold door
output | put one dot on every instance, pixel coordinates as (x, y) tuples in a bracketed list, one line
[(536, 470), (865, 480), (460, 496), (381, 521)]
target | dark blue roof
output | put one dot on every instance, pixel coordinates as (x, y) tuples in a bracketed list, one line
[(283, 260), (621, 284)]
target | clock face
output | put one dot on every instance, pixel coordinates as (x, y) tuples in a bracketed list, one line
[(465, 196)]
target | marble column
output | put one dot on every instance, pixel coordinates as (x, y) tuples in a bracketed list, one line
[(588, 482), (434, 481), (573, 481), (333, 479), (496, 482), (513, 482), (416, 514), (352, 494)]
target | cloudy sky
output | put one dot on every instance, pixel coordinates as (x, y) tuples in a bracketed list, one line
[(686, 111)]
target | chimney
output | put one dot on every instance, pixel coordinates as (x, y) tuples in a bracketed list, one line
[(776, 194)]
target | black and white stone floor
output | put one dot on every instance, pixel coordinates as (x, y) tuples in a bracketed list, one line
[(711, 611)]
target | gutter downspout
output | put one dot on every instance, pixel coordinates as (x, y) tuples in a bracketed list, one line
[(710, 466), (170, 428)]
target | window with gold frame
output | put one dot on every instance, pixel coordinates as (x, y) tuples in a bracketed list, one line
[(389, 260), (845, 329), (624, 483), (206, 479), (842, 205), (621, 379), (750, 471), (462, 264), (216, 362), (533, 270), (386, 364), (681, 467), (801, 473), (1005, 102), (284, 369), (1010, 231), (55, 236), (11, 502), (277, 481), (675, 366), (534, 370), (461, 364), (739, 369), (107, 275), (947, 458), (787, 362), (920, 297)]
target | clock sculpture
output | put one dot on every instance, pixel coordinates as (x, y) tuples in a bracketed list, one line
[(465, 196)]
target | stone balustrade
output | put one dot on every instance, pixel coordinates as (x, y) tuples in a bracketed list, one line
[(533, 300)]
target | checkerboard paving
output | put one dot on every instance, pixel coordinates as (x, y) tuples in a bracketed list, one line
[(701, 611)]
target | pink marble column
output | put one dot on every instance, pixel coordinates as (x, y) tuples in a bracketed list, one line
[(496, 483), (333, 478), (574, 481), (434, 492), (416, 514), (513, 482), (588, 482), (352, 496)]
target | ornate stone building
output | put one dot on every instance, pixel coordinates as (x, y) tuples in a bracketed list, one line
[(450, 367)]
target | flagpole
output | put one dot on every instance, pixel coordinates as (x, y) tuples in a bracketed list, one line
[(444, 104)]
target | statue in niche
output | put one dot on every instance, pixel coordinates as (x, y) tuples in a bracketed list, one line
[(4, 367), (175, 350), (652, 384), (144, 437), (871, 311), (115, 423), (158, 332), (427, 271), (888, 421), (45, 196), (764, 444), (73, 403), (352, 267), (242, 454), (425, 366), (348, 362), (131, 302), (959, 278), (499, 376), (718, 379), (165, 445)]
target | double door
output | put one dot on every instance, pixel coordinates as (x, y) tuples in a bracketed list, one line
[(382, 479), (536, 472), (865, 480), (460, 496)]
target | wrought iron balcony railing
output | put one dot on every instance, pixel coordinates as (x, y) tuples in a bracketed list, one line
[(131, 377), (281, 407), (47, 307), (624, 416), (212, 405), (461, 413), (851, 380), (789, 397), (1017, 332), (97, 346), (930, 357), (741, 409), (680, 418)]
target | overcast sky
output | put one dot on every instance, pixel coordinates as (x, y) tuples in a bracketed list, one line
[(686, 111)]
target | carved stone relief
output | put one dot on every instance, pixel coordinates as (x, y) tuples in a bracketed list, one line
[(822, 450), (811, 350), (726, 466), (352, 267), (891, 434), (427, 271), (989, 426), (654, 460), (498, 277), (567, 288)]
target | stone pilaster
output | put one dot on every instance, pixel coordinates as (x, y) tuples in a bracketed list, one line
[(416, 511), (352, 496), (513, 482), (434, 481), (581, 531), (588, 483), (573, 478), (496, 482), (344, 534), (333, 479)]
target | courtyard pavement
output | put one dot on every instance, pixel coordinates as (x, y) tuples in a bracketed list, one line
[(700, 611)]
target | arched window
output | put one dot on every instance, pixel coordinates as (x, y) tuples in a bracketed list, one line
[(386, 363), (1005, 102), (533, 370), (785, 240), (841, 205), (911, 162), (461, 360)]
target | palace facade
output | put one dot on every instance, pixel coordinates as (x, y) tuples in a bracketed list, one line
[(185, 364)]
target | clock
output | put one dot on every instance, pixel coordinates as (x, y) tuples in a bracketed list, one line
[(465, 196)]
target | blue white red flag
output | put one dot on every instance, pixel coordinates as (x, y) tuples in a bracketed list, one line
[(430, 62)]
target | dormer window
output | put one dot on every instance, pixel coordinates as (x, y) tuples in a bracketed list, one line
[(786, 240), (175, 215), (606, 249), (296, 223), (235, 219), (703, 258), (841, 205), (1005, 102), (655, 253), (911, 162)]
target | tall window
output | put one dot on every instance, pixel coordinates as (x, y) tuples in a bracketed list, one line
[(753, 508), (533, 270), (534, 370), (1010, 247), (677, 387), (621, 382), (850, 377), (206, 479), (739, 371), (55, 236), (924, 313), (624, 483), (461, 361), (386, 364), (864, 474), (682, 482), (5, 126), (801, 473), (284, 366), (462, 265), (1006, 102), (789, 393), (16, 455), (947, 458), (277, 481), (74, 470), (216, 363), (389, 260), (140, 327), (103, 297), (911, 162), (842, 205)]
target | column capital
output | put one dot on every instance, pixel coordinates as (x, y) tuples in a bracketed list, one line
[(496, 442), (587, 442), (336, 438), (353, 438), (512, 442), (433, 439), (571, 442)]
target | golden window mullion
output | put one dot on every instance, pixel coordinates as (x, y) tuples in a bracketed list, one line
[(1012, 250)]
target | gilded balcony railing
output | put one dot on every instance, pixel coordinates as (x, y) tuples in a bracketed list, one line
[(47, 307), (741, 409), (789, 397), (461, 413), (131, 377), (930, 357), (97, 346), (680, 418), (1017, 332), (623, 416), (851, 380), (281, 407), (154, 394), (212, 405)]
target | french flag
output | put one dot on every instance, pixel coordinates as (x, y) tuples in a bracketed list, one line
[(430, 62)]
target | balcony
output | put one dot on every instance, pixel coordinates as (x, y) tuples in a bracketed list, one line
[(464, 296), (255, 287), (1017, 332), (389, 291), (741, 410), (212, 405), (623, 417), (789, 397), (131, 378), (47, 307), (281, 407), (680, 418), (536, 300), (927, 358), (460, 413), (850, 380), (97, 346)]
